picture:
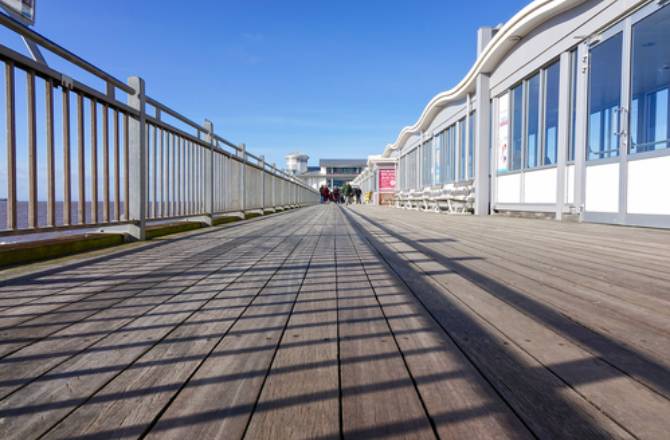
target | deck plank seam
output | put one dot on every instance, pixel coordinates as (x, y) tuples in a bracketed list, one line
[(463, 352), (177, 325), (572, 340), (162, 411), (393, 335), (281, 335), (227, 246), (83, 349)]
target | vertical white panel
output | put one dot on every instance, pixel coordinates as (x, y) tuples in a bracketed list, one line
[(602, 188), (649, 186), (509, 188), (540, 186)]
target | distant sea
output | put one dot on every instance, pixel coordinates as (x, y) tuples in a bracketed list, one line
[(22, 216)]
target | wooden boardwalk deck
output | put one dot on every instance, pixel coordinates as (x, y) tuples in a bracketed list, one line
[(326, 323)]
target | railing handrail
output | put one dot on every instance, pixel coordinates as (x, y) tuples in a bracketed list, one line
[(158, 167), (46, 43)]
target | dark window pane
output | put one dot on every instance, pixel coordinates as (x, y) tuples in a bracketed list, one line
[(650, 83), (471, 147), (517, 127), (551, 114), (604, 99), (573, 104), (461, 149), (533, 121)]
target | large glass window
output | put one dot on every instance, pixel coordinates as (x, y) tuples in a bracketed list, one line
[(461, 149), (471, 147), (550, 149), (452, 152), (427, 166), (412, 169), (517, 128), (650, 105), (574, 66), (442, 141), (533, 122), (436, 161), (449, 162), (604, 99)]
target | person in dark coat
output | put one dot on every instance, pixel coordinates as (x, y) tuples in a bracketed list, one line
[(336, 195)]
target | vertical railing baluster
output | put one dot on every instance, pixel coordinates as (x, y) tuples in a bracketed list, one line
[(178, 176), (94, 161), (81, 213), (189, 170), (67, 170), (126, 167), (117, 168), (32, 150), (147, 169), (51, 175), (154, 178), (10, 101), (201, 179), (105, 161), (167, 173), (243, 153), (162, 169), (174, 176)]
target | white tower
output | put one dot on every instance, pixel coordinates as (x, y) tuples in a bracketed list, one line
[(296, 163)]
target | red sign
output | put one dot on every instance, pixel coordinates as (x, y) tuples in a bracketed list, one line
[(387, 179)]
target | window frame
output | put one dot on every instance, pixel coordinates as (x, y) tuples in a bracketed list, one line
[(542, 108)]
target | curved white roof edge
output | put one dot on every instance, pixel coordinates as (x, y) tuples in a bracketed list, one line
[(521, 24)]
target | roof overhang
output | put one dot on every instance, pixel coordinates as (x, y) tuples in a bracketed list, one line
[(527, 19)]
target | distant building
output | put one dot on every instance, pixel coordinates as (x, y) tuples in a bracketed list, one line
[(337, 172), (296, 163), (330, 172)]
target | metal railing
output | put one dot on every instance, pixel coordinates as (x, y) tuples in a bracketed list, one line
[(94, 161)]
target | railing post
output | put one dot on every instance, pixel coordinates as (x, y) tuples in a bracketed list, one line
[(274, 184), (209, 171), (137, 176), (243, 169), (262, 158)]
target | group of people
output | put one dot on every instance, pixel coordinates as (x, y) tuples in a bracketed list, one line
[(347, 195)]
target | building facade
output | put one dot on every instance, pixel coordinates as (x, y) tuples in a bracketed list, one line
[(565, 112), (333, 173), (378, 180)]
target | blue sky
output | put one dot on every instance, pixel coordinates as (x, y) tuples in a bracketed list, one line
[(331, 79)]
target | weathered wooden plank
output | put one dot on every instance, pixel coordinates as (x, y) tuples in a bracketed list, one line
[(538, 396), (647, 360), (458, 399), (35, 359), (55, 398), (378, 395), (159, 374), (223, 408), (306, 364), (21, 325), (607, 388)]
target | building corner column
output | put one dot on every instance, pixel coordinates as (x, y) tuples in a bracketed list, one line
[(482, 179)]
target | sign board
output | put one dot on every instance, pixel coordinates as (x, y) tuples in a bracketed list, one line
[(386, 179), (503, 132), (24, 9)]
